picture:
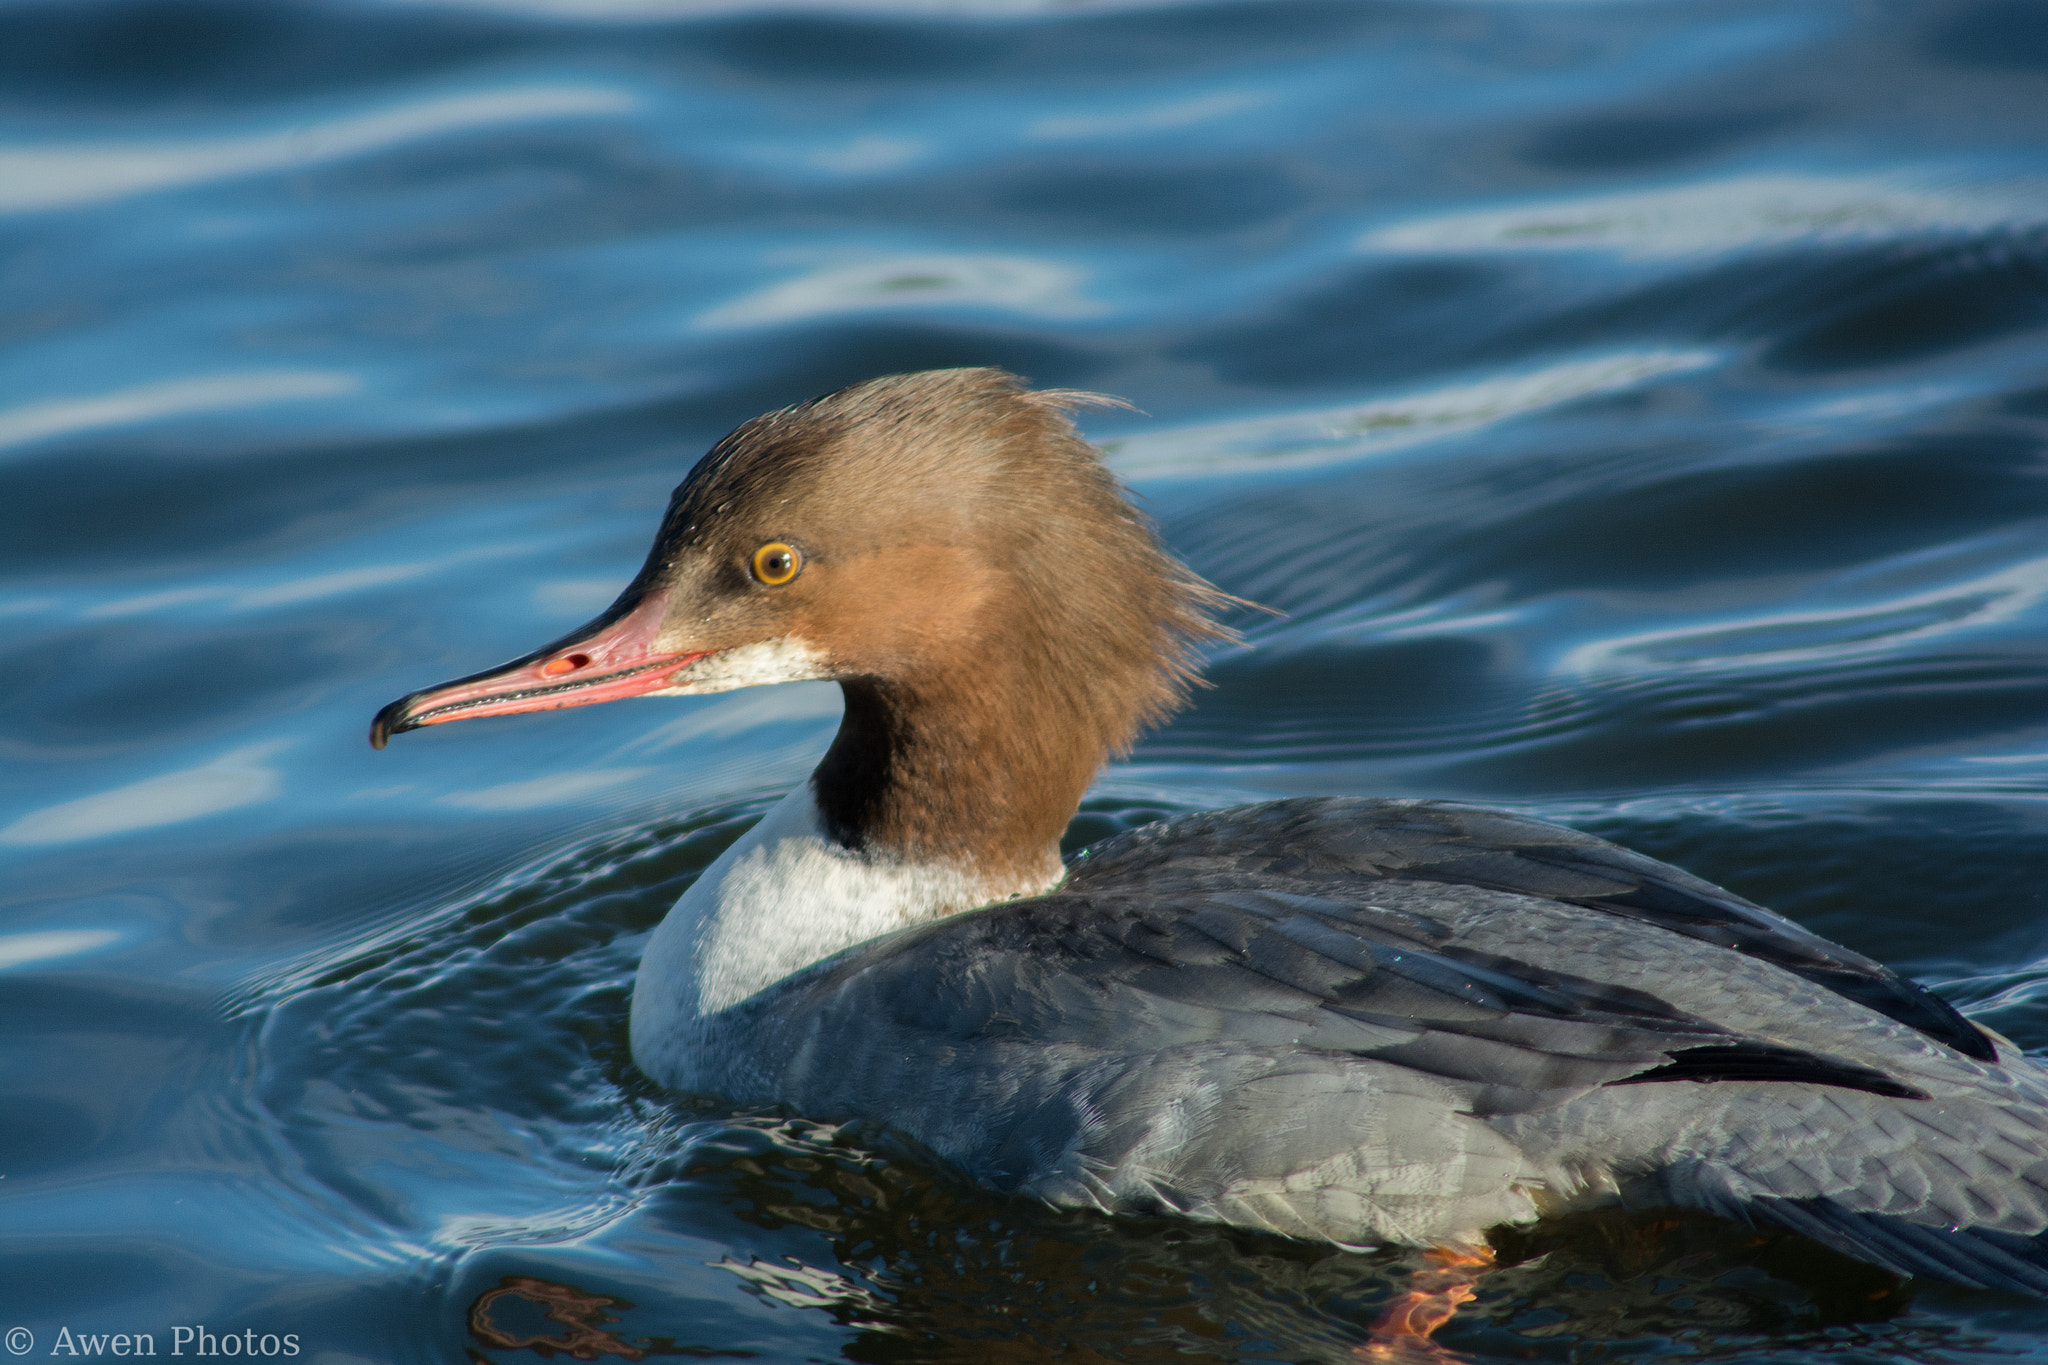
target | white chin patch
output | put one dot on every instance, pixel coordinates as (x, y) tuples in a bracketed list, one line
[(757, 665)]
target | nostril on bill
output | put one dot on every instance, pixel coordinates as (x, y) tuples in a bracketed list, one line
[(568, 663)]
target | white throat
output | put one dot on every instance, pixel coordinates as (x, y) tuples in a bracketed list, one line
[(785, 896)]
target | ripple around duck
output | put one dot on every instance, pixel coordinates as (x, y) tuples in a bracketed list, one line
[(373, 1053), (2014, 1002), (368, 1053)]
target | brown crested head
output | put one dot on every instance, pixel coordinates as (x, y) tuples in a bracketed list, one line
[(945, 546)]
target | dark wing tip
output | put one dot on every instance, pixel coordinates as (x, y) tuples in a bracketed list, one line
[(1753, 1061)]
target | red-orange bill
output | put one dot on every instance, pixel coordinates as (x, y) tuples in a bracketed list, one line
[(610, 660)]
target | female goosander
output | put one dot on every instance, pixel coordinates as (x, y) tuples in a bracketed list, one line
[(1362, 1021)]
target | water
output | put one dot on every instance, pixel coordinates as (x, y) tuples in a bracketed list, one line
[(1636, 409)]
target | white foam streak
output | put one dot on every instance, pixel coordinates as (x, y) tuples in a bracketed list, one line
[(1017, 283), (166, 398), (236, 779), (1332, 435), (58, 175), (17, 949), (1686, 220)]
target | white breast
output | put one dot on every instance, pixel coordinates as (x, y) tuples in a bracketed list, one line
[(785, 896)]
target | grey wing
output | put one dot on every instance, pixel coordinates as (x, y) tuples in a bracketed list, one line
[(1347, 840), (1507, 1031), (1261, 1058), (1322, 1030), (1315, 1066), (1913, 1140)]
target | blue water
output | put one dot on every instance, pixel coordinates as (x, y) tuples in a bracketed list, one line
[(1638, 409)]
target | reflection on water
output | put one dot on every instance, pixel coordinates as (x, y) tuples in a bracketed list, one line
[(927, 1271), (1635, 410), (585, 1316)]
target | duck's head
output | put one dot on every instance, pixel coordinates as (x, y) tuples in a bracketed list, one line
[(946, 547)]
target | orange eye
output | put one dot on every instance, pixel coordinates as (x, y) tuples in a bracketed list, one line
[(776, 563)]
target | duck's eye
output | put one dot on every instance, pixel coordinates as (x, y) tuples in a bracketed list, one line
[(776, 563)]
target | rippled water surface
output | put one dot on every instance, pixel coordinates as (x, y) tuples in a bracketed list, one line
[(1636, 408)]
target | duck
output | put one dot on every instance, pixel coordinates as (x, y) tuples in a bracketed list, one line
[(1352, 1020)]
